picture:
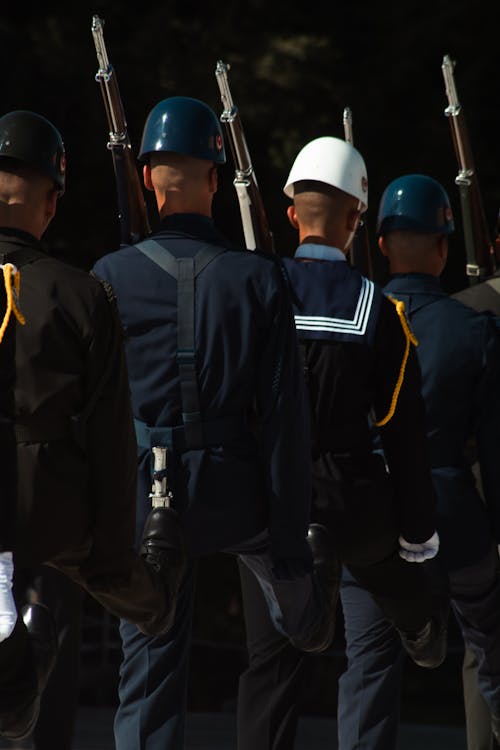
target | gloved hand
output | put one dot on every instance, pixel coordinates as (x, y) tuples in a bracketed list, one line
[(419, 552), (8, 611)]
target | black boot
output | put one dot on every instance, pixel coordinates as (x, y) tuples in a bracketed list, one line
[(327, 572), (43, 640), (162, 547), (427, 648)]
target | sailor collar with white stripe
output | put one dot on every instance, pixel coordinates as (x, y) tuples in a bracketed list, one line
[(310, 251)]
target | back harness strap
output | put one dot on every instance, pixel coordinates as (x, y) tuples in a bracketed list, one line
[(196, 431)]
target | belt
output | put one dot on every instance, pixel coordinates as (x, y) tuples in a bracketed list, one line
[(215, 432)]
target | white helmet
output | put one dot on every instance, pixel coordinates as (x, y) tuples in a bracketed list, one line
[(333, 161)]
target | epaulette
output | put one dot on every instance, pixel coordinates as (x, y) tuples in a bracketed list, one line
[(111, 297)]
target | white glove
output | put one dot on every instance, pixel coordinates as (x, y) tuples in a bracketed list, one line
[(419, 552), (8, 611)]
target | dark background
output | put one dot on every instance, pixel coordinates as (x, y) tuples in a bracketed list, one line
[(294, 67)]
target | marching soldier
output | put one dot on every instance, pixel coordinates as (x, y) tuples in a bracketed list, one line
[(360, 368), (76, 475), (459, 355), (216, 380)]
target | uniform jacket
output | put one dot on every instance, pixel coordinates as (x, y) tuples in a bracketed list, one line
[(76, 441), (247, 365), (8, 474), (353, 346), (459, 354)]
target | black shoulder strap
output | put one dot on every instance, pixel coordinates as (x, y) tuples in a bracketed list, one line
[(185, 270)]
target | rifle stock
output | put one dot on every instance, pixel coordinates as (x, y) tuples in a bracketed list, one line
[(253, 216), (134, 223), (360, 250), (479, 249)]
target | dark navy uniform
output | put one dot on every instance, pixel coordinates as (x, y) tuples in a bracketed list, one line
[(353, 347), (245, 486), (483, 297), (459, 354)]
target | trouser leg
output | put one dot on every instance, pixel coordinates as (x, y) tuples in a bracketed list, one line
[(18, 683), (370, 688), (475, 594), (295, 605), (407, 593), (153, 681), (59, 704), (477, 712), (270, 689)]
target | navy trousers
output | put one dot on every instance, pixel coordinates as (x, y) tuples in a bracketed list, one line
[(154, 671), (477, 712), (369, 690)]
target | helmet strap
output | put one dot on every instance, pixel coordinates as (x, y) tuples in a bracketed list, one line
[(353, 232)]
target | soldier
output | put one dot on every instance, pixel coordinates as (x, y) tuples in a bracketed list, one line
[(215, 379), (75, 438), (484, 297), (459, 355), (360, 367)]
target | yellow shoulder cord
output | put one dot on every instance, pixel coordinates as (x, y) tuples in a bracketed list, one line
[(410, 339), (12, 293)]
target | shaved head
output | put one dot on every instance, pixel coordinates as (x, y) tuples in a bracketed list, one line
[(27, 198), (323, 212), (414, 252), (182, 184)]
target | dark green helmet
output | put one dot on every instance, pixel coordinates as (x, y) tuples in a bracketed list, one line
[(33, 140), (185, 126)]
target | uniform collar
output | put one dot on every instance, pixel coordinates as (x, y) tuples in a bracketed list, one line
[(409, 283), (11, 233), (193, 224), (318, 252), (187, 222)]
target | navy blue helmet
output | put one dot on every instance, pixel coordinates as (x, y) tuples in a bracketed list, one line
[(185, 126), (415, 202)]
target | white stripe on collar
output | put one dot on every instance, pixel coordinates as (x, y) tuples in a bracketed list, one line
[(356, 326)]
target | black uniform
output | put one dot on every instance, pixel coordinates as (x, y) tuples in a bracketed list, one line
[(353, 346), (76, 444)]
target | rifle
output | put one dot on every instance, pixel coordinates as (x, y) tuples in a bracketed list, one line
[(134, 224), (253, 216), (360, 250), (478, 246)]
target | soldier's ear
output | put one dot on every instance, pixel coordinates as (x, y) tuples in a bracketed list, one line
[(213, 179), (292, 216), (382, 246), (146, 176), (443, 247)]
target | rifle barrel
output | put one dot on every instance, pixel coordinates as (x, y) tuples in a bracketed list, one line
[(347, 120), (100, 47)]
